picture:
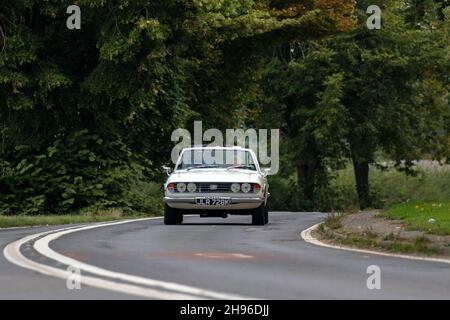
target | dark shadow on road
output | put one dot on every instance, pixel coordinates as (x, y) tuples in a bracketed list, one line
[(214, 224)]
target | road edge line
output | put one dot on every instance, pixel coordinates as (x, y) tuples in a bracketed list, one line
[(12, 254), (308, 237)]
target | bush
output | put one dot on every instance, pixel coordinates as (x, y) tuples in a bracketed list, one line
[(76, 171), (387, 187), (284, 195), (143, 196), (432, 183)]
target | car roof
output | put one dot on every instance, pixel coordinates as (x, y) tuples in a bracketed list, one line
[(216, 147)]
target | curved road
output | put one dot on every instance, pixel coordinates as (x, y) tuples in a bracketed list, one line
[(227, 256)]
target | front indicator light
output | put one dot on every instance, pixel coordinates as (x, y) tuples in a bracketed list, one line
[(171, 187), (191, 187), (256, 187), (181, 187), (246, 187)]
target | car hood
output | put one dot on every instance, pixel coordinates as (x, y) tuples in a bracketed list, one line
[(215, 175)]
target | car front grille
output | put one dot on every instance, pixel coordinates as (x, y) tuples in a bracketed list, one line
[(213, 187)]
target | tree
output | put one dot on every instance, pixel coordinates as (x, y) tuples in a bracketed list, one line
[(391, 74), (289, 99), (308, 93), (426, 12), (359, 92), (134, 72)]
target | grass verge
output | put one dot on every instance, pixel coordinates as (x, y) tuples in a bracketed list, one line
[(333, 230), (430, 217), (394, 246), (48, 220)]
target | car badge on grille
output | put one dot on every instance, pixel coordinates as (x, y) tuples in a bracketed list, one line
[(213, 187)]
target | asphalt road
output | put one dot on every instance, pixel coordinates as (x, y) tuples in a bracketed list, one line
[(222, 255)]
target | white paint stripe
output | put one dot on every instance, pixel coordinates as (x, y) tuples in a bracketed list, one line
[(42, 246), (308, 237), (241, 255), (12, 253), (218, 255)]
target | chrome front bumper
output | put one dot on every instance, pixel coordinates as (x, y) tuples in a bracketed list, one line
[(237, 203)]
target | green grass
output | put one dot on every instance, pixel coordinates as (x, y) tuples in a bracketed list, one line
[(387, 188), (417, 216), (333, 221), (412, 199), (394, 246), (48, 220), (370, 240), (391, 187)]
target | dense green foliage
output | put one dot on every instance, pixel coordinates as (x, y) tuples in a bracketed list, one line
[(86, 115), (431, 183), (359, 93)]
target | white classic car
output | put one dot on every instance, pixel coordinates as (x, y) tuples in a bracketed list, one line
[(215, 182)]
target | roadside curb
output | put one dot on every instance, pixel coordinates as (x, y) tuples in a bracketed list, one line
[(308, 237)]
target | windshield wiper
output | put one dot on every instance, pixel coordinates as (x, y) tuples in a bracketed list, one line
[(241, 166), (206, 166)]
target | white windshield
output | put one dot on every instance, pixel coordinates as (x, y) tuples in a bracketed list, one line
[(216, 158)]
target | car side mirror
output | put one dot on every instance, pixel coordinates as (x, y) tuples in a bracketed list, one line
[(265, 171), (167, 169)]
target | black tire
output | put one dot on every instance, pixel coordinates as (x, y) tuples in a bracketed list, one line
[(266, 214), (258, 216), (172, 216), (180, 216)]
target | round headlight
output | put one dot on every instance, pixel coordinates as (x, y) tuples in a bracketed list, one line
[(191, 187), (181, 187), (235, 187), (246, 187)]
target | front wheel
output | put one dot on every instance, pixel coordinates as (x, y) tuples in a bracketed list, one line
[(172, 216), (258, 216)]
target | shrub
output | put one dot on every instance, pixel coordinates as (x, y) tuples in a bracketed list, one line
[(387, 187), (76, 171)]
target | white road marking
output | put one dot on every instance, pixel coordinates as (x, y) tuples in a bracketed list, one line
[(218, 255), (308, 237), (241, 255), (180, 291), (12, 253)]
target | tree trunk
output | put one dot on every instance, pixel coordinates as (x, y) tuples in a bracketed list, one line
[(361, 169), (305, 178)]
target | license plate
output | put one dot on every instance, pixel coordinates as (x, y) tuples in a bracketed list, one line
[(213, 201)]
